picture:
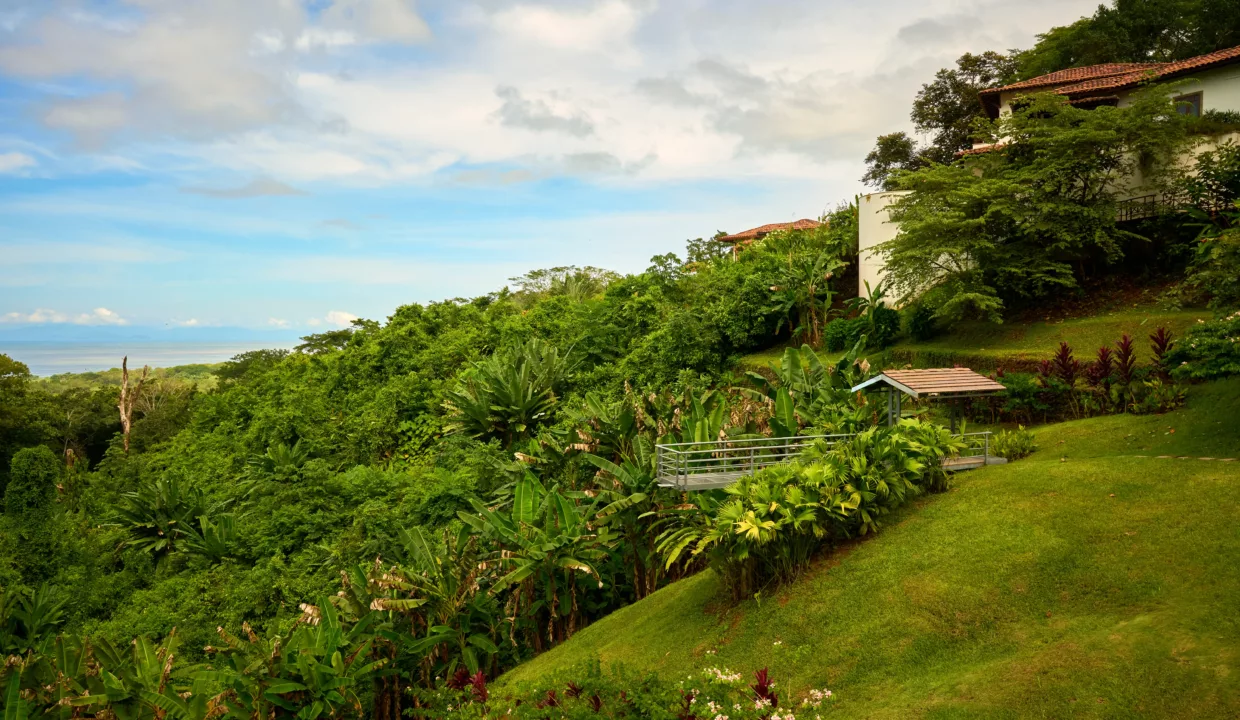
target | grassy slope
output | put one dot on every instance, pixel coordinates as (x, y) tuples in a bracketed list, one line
[(1102, 585), (1038, 340)]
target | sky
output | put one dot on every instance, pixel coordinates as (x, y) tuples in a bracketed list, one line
[(294, 164)]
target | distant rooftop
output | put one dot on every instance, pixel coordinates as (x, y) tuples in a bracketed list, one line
[(758, 233)]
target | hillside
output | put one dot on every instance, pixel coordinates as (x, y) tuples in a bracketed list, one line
[(986, 345), (1092, 579)]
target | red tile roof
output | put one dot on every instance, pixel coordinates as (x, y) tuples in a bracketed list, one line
[(1164, 71), (1106, 79), (1074, 75), (761, 232)]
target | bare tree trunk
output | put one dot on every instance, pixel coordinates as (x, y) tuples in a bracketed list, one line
[(128, 398)]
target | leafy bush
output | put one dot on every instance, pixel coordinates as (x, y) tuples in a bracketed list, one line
[(1227, 117), (842, 333), (32, 487), (1014, 444), (1208, 350), (920, 322), (885, 325), (589, 692), (769, 525), (511, 393)]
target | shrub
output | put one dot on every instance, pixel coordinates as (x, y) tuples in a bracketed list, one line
[(842, 333), (32, 487), (771, 524), (589, 691), (1024, 396), (1014, 444), (1209, 350), (886, 326), (920, 323)]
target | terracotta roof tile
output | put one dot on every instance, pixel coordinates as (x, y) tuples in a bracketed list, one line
[(764, 230), (1162, 72), (1074, 75)]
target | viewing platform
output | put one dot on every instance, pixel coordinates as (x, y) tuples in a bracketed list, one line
[(717, 464)]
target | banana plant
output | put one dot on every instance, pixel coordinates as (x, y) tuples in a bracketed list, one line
[(628, 492), (545, 543), (318, 669), (439, 593)]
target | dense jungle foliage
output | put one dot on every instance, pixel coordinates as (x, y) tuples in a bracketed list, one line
[(379, 520), (461, 486)]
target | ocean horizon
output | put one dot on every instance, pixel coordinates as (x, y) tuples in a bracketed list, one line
[(53, 358)]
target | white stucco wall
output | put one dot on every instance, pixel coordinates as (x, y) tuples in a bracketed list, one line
[(873, 228), (1219, 88)]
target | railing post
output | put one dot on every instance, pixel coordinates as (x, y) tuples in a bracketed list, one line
[(986, 450)]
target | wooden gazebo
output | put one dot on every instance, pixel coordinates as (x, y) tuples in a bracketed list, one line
[(952, 384)]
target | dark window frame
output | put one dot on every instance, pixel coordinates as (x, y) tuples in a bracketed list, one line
[(1191, 104)]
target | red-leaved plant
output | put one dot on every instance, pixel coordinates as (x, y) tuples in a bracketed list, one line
[(1160, 345), (764, 689), (686, 706), (1100, 371), (1064, 366), (478, 686), (459, 679), (1125, 360)]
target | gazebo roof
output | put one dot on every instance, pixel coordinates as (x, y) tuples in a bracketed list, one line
[(935, 382)]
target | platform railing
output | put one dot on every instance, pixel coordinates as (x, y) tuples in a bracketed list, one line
[(715, 463), (678, 463)]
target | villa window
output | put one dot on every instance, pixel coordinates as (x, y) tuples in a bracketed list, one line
[(1189, 104)]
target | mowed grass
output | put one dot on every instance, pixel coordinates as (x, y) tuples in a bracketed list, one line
[(1040, 339), (1100, 585), (1035, 340)]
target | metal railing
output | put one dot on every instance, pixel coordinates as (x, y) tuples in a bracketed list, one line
[(976, 444), (717, 463)]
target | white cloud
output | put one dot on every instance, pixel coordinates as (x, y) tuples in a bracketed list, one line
[(43, 316), (14, 161), (192, 322), (278, 322), (625, 90), (340, 318)]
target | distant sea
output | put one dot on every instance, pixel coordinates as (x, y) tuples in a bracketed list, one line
[(52, 358)]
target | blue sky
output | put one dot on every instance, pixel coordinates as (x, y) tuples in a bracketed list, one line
[(290, 165)]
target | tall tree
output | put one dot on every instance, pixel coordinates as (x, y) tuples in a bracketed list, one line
[(948, 106), (892, 152), (1136, 31), (1038, 215)]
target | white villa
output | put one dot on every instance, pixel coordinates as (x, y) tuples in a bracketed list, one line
[(1209, 82)]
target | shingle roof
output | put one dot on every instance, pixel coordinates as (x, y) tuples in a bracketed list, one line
[(764, 230)]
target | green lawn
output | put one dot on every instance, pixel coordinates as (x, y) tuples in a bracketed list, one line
[(1100, 585), (1035, 340)]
